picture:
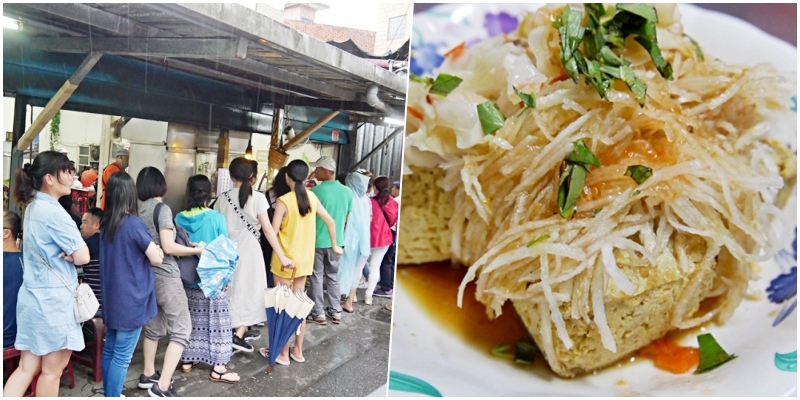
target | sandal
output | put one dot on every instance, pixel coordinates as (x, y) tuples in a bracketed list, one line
[(187, 366), (352, 310), (215, 376), (297, 359)]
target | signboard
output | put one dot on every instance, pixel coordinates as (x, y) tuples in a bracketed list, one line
[(334, 135), (224, 182)]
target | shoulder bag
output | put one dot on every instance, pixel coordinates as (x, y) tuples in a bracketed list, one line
[(85, 305), (186, 264), (250, 226)]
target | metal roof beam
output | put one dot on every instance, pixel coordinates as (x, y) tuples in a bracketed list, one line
[(155, 47), (224, 51), (272, 93), (292, 78), (267, 33), (87, 15)]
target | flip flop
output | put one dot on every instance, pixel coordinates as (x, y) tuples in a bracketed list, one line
[(349, 311), (300, 360), (220, 376), (265, 353)]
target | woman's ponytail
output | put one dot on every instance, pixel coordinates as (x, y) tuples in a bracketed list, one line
[(298, 171)]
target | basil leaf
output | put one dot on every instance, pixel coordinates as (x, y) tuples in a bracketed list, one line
[(491, 117), (582, 155), (528, 99), (697, 48), (572, 189), (637, 86), (572, 31), (524, 353), (645, 11), (636, 193), (648, 41), (596, 211), (444, 84), (500, 351), (639, 173), (610, 58), (416, 78), (711, 354), (593, 38), (537, 240)]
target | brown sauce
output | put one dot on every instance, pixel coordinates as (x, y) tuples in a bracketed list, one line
[(434, 287)]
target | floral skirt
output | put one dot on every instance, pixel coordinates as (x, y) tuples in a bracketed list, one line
[(211, 341)]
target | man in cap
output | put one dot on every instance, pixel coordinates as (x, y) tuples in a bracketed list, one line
[(338, 201), (121, 162)]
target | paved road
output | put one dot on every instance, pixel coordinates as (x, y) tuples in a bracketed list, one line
[(349, 359)]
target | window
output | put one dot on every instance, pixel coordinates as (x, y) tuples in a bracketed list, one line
[(397, 28)]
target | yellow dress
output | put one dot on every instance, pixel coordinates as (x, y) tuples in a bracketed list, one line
[(297, 237)]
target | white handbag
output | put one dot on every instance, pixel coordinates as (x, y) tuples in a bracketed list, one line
[(86, 304)]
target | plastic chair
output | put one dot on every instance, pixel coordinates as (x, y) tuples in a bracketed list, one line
[(11, 358), (95, 349)]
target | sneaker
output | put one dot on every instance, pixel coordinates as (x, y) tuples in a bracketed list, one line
[(319, 319), (156, 391), (252, 334), (241, 345), (384, 293), (368, 300), (335, 316), (146, 382), (362, 284)]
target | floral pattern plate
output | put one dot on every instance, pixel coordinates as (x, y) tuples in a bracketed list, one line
[(427, 360)]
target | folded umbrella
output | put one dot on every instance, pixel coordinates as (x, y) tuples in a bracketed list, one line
[(285, 312), (216, 266)]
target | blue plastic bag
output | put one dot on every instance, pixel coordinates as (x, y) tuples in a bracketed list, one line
[(216, 266)]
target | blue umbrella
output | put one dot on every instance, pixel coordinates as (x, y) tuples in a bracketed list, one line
[(216, 266), (285, 312)]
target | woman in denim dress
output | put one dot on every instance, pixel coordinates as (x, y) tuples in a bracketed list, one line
[(47, 332)]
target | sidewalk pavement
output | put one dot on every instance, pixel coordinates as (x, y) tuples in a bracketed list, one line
[(349, 359)]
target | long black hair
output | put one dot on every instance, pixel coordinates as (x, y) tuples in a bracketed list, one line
[(279, 186), (198, 192), (31, 177), (298, 171), (120, 195), (241, 170), (382, 190)]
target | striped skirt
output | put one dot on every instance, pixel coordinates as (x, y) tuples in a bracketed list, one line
[(211, 341)]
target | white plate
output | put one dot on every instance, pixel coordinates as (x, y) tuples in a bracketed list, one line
[(437, 363)]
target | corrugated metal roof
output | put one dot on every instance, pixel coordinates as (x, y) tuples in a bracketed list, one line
[(226, 42)]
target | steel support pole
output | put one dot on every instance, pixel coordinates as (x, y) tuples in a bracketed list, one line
[(377, 148)]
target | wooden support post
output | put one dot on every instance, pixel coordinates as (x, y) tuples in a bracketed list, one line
[(311, 129), (277, 130), (61, 97), (223, 149)]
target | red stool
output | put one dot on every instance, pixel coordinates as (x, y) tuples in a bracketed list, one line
[(11, 357), (95, 349)]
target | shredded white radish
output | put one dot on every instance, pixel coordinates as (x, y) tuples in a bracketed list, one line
[(706, 207)]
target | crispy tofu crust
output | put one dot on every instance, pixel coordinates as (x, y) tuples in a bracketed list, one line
[(426, 210)]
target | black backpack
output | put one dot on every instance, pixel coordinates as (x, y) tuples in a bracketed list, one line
[(187, 264)]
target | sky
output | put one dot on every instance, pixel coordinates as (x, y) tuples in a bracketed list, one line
[(350, 15)]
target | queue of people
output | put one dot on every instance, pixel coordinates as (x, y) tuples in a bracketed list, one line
[(327, 234)]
